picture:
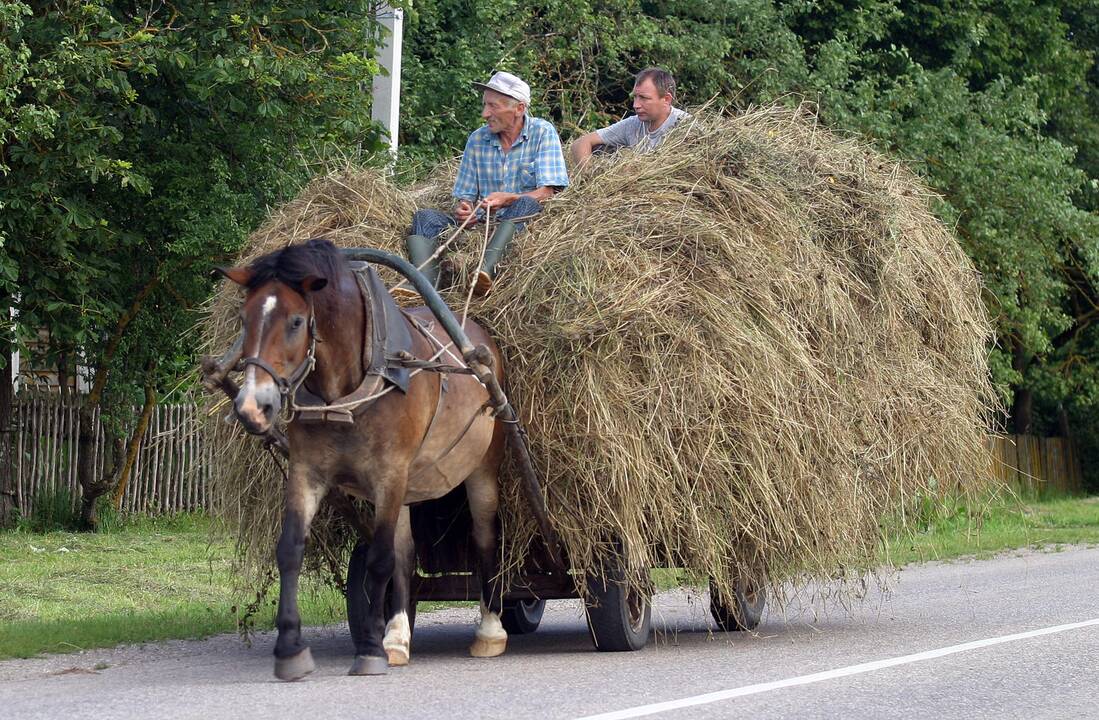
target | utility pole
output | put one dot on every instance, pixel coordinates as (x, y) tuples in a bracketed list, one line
[(387, 87)]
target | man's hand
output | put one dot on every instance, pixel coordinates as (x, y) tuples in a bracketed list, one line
[(463, 211), (498, 199)]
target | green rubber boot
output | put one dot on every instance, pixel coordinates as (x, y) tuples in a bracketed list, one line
[(420, 249), (503, 234)]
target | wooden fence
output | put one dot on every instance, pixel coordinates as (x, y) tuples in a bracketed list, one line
[(171, 472), (1037, 466)]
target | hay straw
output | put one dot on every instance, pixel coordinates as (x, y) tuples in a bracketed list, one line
[(744, 350)]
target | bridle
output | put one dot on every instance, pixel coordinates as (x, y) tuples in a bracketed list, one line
[(288, 386)]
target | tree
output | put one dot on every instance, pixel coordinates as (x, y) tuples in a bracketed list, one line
[(579, 58), (973, 94), (139, 144)]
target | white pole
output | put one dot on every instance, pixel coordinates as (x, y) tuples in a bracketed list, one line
[(387, 88), (13, 314)]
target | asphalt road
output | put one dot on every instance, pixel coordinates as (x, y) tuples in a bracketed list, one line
[(1012, 637)]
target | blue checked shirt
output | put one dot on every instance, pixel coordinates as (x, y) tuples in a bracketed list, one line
[(534, 161)]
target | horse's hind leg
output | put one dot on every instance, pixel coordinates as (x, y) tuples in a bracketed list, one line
[(398, 631), (292, 657), (491, 638)]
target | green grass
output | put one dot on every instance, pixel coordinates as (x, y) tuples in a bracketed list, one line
[(985, 529), (156, 579), (147, 580)]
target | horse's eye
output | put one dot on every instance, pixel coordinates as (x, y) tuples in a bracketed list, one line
[(296, 322)]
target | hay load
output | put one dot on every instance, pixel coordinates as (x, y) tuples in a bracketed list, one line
[(743, 350)]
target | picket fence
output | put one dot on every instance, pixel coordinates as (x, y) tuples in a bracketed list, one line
[(171, 472), (173, 467)]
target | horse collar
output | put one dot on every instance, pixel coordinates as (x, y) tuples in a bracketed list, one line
[(389, 336)]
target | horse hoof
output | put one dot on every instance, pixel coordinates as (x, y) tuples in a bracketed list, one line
[(295, 667), (369, 665), (488, 647), (398, 657)]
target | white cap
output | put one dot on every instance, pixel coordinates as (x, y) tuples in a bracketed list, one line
[(507, 84)]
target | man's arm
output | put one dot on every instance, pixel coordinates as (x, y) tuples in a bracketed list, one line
[(582, 147), (503, 199), (466, 186)]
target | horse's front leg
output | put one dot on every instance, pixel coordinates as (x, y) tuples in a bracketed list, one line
[(398, 628), (491, 638), (303, 494), (370, 654)]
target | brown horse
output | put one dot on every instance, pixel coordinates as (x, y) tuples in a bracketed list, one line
[(331, 340)]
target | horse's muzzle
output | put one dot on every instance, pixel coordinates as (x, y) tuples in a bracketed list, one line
[(257, 410)]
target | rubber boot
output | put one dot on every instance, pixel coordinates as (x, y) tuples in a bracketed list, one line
[(420, 249), (503, 234)]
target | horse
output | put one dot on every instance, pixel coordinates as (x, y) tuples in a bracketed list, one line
[(330, 340)]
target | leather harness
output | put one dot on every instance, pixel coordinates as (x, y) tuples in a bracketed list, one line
[(387, 357)]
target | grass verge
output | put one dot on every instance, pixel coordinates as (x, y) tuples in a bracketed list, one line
[(162, 578), (145, 580), (984, 529)]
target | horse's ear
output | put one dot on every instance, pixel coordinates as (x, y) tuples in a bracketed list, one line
[(312, 283), (239, 275)]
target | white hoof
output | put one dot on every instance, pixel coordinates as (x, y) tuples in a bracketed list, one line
[(488, 647), (397, 656), (398, 639)]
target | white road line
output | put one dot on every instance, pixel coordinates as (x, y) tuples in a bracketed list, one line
[(642, 710)]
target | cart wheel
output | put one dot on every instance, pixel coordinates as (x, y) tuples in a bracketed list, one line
[(619, 617), (358, 606), (521, 617), (746, 610)]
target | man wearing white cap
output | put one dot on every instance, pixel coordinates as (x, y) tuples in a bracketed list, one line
[(513, 164)]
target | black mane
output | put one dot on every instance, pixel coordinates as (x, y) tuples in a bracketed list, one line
[(316, 257)]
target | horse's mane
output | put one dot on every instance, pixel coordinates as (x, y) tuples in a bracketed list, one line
[(294, 263)]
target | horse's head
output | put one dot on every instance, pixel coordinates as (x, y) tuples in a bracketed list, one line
[(278, 328)]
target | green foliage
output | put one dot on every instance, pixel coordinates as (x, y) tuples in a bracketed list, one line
[(141, 143), (993, 103), (982, 527), (579, 57), (138, 147)]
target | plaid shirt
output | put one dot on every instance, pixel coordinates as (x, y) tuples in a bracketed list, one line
[(534, 161)]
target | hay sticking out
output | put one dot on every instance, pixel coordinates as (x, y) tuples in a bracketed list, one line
[(743, 350)]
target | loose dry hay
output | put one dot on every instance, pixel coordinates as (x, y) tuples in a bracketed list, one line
[(743, 350)]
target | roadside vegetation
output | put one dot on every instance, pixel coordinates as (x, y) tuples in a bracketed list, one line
[(983, 529), (142, 580), (151, 579)]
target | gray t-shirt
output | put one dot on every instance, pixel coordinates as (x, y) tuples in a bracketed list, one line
[(631, 132)]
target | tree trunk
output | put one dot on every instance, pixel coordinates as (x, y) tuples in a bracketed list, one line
[(63, 376), (1023, 405), (1022, 411), (135, 444), (7, 464), (89, 514), (90, 486)]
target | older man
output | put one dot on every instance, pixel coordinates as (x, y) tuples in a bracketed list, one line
[(654, 115), (512, 164)]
